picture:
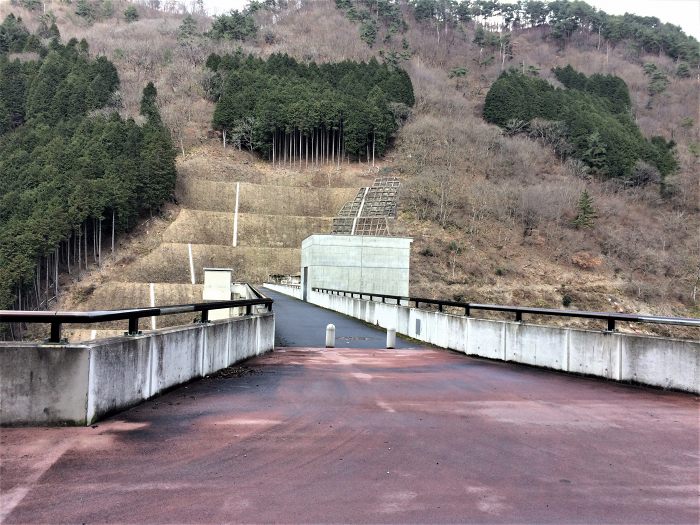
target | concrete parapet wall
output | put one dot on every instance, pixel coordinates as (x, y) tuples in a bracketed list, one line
[(292, 291), (78, 384), (648, 360)]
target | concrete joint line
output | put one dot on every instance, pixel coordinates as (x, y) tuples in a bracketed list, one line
[(503, 342), (619, 357)]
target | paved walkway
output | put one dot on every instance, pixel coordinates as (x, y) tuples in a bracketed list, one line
[(298, 323), (403, 436)]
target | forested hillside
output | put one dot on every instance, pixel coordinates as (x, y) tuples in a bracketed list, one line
[(68, 161), (590, 121), (550, 157), (290, 112)]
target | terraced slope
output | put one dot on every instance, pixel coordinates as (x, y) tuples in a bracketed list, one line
[(278, 208)]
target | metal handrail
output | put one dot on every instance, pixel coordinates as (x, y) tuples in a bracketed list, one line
[(610, 317), (56, 319)]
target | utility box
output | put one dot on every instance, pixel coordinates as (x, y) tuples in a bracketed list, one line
[(217, 287), (356, 263)]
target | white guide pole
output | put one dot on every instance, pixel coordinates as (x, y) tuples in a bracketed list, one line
[(235, 216), (153, 304), (189, 249)]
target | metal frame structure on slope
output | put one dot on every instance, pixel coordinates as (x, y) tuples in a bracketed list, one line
[(369, 211)]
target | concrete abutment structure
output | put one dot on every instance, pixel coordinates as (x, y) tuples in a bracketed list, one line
[(78, 384)]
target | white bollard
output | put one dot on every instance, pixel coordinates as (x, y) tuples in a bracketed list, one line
[(391, 338), (330, 336)]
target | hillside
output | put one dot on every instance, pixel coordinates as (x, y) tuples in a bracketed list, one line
[(490, 212)]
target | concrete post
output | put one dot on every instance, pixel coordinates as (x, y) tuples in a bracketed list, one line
[(391, 338), (330, 336)]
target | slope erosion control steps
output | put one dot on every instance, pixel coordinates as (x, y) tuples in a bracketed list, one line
[(277, 210)]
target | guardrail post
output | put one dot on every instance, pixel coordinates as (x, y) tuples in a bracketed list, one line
[(467, 311), (205, 316), (248, 309), (439, 307), (611, 324), (133, 326), (55, 333), (518, 316)]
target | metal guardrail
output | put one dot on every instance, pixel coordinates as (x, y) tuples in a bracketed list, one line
[(610, 317), (57, 319)]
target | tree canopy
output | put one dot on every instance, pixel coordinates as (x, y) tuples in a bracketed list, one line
[(590, 120), (66, 156), (564, 18), (281, 107)]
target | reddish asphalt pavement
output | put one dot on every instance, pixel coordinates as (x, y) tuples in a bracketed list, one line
[(371, 436)]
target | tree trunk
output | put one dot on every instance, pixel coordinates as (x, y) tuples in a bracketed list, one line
[(37, 284), (99, 244), (94, 240), (68, 252), (56, 273), (85, 247)]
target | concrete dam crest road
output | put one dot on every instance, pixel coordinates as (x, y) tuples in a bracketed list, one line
[(366, 435), (301, 324)]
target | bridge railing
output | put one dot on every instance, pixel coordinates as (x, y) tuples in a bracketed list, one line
[(57, 319), (518, 311)]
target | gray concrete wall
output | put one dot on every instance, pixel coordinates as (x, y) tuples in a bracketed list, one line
[(78, 384), (357, 262), (648, 360)]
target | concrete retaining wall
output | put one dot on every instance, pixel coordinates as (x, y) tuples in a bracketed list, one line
[(655, 361), (78, 384)]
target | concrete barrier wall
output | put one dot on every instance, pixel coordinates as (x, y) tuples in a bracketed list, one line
[(655, 361), (78, 384), (292, 291)]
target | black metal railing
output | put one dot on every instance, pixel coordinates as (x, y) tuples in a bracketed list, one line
[(57, 319), (610, 317)]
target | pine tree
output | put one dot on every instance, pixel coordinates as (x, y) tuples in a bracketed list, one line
[(187, 30), (85, 10), (594, 154), (586, 213), (149, 105), (131, 14)]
